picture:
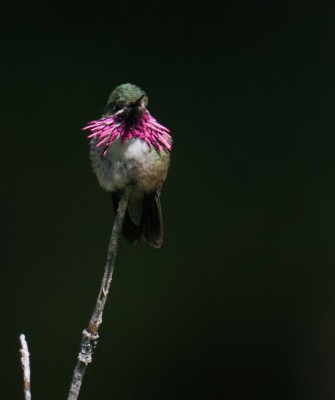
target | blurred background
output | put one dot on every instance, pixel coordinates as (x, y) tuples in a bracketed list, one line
[(239, 302)]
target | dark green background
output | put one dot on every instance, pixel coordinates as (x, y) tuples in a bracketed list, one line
[(239, 302)]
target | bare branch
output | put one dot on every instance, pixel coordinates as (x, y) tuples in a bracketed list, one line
[(90, 334), (26, 367)]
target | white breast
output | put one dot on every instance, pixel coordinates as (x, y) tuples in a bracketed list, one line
[(135, 149), (122, 163)]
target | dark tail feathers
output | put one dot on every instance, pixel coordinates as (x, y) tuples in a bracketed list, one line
[(151, 226)]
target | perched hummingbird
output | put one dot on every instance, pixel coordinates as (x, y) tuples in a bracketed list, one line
[(130, 149)]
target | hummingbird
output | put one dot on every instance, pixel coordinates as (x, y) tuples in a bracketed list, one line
[(130, 150)]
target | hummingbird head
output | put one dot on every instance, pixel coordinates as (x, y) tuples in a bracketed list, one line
[(125, 116), (129, 98)]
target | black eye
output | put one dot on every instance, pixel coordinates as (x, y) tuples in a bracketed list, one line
[(111, 108), (116, 108)]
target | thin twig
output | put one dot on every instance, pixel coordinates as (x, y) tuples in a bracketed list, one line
[(26, 367), (90, 334)]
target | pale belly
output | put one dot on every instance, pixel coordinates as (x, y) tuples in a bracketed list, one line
[(133, 163)]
